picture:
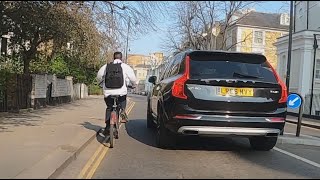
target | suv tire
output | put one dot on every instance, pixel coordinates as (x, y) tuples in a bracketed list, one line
[(150, 123), (164, 138), (263, 143)]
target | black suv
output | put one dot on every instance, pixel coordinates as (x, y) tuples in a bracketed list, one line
[(217, 93)]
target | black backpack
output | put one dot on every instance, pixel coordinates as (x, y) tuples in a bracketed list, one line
[(114, 76)]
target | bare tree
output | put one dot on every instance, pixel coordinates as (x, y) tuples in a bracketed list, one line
[(196, 21), (114, 17), (241, 41), (232, 9), (171, 43)]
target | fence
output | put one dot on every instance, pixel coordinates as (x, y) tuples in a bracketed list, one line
[(15, 92), (79, 91), (315, 104), (35, 91), (3, 95), (3, 100)]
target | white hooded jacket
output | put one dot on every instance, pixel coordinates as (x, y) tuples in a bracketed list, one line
[(128, 76)]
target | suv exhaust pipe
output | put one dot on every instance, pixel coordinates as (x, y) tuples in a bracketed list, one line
[(190, 132), (272, 134)]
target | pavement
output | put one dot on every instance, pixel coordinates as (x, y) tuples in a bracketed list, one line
[(314, 123), (301, 140), (42, 143), (48, 143), (309, 134)]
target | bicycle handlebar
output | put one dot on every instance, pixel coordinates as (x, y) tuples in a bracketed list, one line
[(131, 87)]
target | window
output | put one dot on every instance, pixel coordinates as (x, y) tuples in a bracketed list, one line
[(284, 19), (258, 37), (176, 65), (229, 38), (318, 69), (300, 13), (232, 67), (166, 71), (182, 65)]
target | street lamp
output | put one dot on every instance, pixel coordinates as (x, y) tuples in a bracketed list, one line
[(127, 45), (128, 40)]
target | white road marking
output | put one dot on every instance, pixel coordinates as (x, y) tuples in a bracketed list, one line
[(298, 157)]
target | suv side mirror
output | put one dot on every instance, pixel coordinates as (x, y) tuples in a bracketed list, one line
[(153, 79)]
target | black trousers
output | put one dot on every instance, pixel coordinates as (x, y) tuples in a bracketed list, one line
[(122, 103)]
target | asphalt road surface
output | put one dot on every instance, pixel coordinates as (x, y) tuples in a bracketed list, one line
[(136, 156)]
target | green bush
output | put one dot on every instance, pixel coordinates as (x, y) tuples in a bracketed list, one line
[(95, 90), (59, 66)]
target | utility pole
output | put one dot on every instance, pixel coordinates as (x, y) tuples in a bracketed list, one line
[(289, 46), (127, 46)]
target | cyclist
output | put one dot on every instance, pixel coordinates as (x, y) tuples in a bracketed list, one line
[(114, 78)]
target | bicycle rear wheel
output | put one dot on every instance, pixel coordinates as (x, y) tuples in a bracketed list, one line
[(113, 126), (111, 135)]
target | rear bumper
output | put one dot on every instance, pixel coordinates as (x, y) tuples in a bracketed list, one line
[(226, 125), (227, 131), (227, 118), (179, 115)]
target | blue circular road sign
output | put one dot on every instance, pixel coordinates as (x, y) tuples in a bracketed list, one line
[(294, 101)]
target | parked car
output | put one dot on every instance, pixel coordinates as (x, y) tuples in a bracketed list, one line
[(143, 93), (217, 93)]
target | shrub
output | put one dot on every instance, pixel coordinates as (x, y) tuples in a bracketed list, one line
[(95, 90)]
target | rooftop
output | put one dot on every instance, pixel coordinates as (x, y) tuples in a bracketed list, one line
[(143, 66), (261, 19)]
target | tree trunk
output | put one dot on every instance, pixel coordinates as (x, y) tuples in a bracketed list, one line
[(27, 57), (26, 65), (26, 62)]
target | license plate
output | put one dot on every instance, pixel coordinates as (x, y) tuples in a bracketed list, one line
[(230, 91)]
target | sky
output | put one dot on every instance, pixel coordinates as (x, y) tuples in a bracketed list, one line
[(152, 42)]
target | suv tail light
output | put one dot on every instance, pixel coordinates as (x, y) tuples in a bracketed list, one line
[(284, 90), (178, 85)]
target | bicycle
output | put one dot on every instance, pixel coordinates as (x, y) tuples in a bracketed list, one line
[(115, 119)]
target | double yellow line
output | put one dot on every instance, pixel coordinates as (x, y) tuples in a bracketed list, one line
[(91, 166)]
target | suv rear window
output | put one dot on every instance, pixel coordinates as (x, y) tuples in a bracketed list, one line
[(229, 69)]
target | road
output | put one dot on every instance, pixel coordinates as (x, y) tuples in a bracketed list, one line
[(136, 156)]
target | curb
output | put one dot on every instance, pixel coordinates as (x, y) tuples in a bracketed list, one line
[(51, 166), (73, 157), (304, 124), (298, 141), (44, 169)]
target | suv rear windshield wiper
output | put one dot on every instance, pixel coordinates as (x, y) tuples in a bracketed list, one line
[(246, 76)]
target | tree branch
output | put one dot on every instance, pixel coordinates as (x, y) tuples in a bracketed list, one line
[(244, 40)]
